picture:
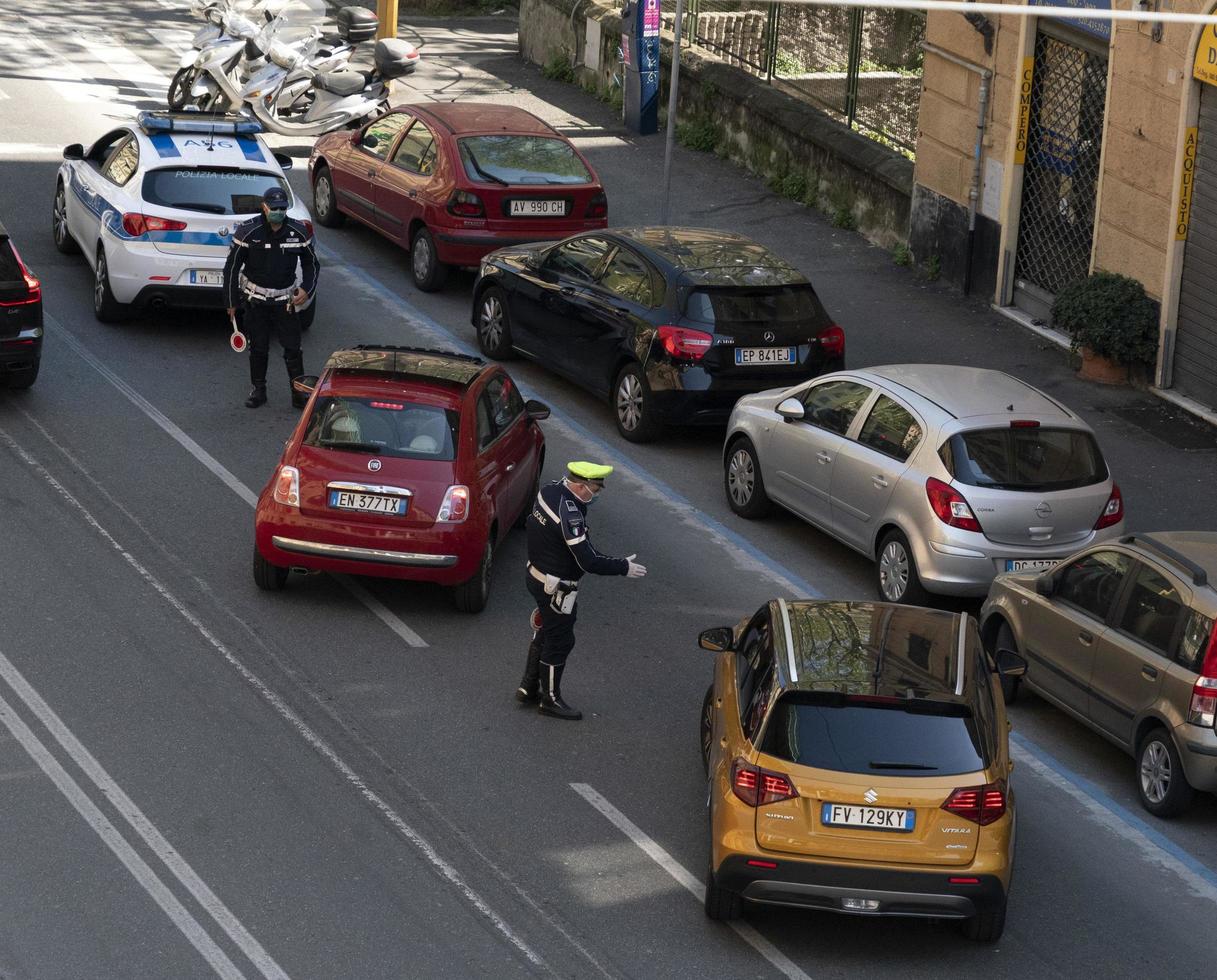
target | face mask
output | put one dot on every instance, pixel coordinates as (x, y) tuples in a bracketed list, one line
[(275, 215)]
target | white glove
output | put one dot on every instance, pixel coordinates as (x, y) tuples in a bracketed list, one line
[(635, 570)]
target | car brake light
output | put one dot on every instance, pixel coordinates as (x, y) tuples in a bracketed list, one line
[(1203, 709), (465, 204), (138, 224), (391, 406), (950, 506), (455, 507), (1024, 424), (832, 341), (308, 226), (287, 486), (32, 285), (597, 207), (1113, 512), (759, 787), (685, 344), (979, 804)]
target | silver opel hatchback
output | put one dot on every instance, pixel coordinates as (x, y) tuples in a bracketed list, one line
[(944, 475)]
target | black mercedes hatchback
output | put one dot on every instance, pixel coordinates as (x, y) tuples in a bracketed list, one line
[(20, 318), (671, 325)]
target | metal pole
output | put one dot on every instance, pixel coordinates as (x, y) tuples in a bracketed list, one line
[(386, 13), (673, 91)]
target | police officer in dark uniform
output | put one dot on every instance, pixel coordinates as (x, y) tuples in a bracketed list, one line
[(261, 273), (559, 554)]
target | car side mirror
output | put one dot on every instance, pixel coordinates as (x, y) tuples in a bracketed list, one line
[(306, 384), (536, 410), (284, 161), (369, 142), (1008, 663), (73, 151), (718, 639), (1045, 584), (791, 409)]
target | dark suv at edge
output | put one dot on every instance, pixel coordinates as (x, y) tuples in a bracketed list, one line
[(20, 318)]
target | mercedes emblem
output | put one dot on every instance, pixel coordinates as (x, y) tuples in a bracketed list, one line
[(770, 336), (374, 465)]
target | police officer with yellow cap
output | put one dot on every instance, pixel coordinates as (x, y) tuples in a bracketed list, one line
[(559, 555)]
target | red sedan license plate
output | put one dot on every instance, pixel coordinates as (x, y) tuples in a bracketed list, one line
[(533, 207), (369, 503)]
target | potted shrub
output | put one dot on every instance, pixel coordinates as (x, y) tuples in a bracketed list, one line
[(1112, 323)]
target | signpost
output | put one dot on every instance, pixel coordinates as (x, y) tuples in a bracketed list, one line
[(640, 48)]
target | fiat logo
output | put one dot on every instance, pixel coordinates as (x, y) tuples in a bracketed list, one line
[(870, 796), (374, 465), (770, 336)]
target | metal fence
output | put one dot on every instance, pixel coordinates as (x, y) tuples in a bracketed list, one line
[(861, 66)]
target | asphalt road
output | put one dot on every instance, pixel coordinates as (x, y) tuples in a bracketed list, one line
[(197, 778)]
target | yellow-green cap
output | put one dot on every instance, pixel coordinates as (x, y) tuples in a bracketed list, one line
[(588, 471)]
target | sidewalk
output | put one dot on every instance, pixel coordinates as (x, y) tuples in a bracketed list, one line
[(1164, 460)]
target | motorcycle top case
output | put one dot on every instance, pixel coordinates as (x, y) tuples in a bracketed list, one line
[(393, 57), (356, 24)]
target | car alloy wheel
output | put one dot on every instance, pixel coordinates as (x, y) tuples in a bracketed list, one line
[(323, 196), (421, 258), (894, 571), (707, 727), (629, 401), (741, 477), (59, 217), (99, 283), (1155, 772), (490, 323)]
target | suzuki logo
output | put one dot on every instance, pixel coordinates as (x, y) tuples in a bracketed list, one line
[(1043, 510), (870, 796), (374, 465), (770, 336)]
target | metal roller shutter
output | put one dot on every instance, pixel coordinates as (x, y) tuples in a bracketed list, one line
[(1195, 356)]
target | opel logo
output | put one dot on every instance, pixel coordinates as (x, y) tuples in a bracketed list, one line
[(1043, 510), (374, 465), (770, 336), (870, 796)]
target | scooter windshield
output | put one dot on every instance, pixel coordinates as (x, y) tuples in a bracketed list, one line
[(293, 22)]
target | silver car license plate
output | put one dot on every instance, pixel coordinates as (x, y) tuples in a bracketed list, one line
[(1029, 564), (206, 277), (764, 355), (868, 817)]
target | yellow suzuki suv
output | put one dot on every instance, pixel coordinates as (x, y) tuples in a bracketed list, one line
[(858, 761)]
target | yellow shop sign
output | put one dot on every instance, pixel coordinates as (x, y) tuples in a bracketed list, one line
[(1205, 65), (1023, 123), (1187, 181)]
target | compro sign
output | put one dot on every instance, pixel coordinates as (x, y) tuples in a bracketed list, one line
[(1205, 66)]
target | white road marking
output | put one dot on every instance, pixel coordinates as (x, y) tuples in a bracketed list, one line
[(22, 48), (226, 476), (121, 63), (139, 869), (284, 710), (782, 963)]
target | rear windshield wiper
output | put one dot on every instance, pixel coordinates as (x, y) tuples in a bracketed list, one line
[(199, 206), (916, 766), (359, 447), (478, 167)]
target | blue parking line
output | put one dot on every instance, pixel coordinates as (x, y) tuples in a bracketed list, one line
[(608, 451), (1117, 809)]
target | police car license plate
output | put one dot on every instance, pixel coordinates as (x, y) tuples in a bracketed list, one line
[(372, 503), (764, 355), (206, 277), (869, 817), (533, 207), (1029, 564)]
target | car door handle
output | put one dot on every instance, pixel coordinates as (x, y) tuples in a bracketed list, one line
[(879, 482), (824, 457), (1086, 637), (1149, 673), (412, 193), (510, 467), (371, 173), (566, 290)]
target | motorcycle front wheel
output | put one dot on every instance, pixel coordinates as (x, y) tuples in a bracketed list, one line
[(179, 88)]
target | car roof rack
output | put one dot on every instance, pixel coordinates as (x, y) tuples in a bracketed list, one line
[(1199, 575), (218, 123), (421, 362)]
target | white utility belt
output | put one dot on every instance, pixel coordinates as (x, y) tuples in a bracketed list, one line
[(257, 292), (564, 591)]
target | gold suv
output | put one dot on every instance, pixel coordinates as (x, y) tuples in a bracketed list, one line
[(858, 762)]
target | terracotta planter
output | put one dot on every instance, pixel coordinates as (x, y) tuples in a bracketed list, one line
[(1096, 367)]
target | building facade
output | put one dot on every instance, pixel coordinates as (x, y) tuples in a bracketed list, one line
[(1051, 148)]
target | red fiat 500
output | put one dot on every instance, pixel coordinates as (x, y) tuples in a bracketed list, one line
[(407, 463), (453, 181)]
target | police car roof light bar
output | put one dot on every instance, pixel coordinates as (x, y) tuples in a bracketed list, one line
[(197, 122)]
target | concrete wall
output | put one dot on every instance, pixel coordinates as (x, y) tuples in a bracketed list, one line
[(766, 130)]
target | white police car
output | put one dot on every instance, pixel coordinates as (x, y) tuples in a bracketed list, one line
[(153, 206)]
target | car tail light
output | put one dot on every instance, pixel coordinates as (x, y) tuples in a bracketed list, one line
[(308, 226), (1024, 424), (465, 204), (287, 486), (685, 344), (1203, 709), (597, 207), (759, 787), (138, 224), (832, 342), (455, 507), (32, 285), (950, 506), (980, 804), (1113, 511)]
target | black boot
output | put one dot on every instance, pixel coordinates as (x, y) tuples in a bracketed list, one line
[(551, 702), (257, 396), (294, 359), (530, 687), (257, 377)]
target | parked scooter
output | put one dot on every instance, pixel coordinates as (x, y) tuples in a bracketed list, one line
[(211, 12)]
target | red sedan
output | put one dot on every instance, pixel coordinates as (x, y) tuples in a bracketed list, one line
[(407, 463), (452, 182)]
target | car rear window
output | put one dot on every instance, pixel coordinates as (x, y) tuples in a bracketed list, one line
[(1025, 458), (522, 160), (774, 304), (386, 427), (210, 191), (860, 734)]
